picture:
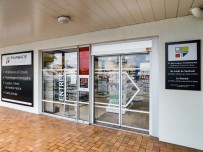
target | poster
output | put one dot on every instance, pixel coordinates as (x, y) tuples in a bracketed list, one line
[(17, 78), (183, 65)]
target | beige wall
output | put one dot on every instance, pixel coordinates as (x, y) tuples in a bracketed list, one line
[(180, 112)]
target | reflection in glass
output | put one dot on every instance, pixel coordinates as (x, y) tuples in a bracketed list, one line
[(135, 90), (106, 96), (71, 111), (84, 111), (53, 86), (108, 115), (84, 96), (71, 87), (54, 108), (59, 66), (52, 60), (48, 86), (71, 60), (135, 119), (135, 79), (135, 75)]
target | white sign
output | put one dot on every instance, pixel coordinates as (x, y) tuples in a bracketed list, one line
[(182, 52), (17, 59)]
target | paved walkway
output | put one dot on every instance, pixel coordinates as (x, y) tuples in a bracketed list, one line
[(24, 132)]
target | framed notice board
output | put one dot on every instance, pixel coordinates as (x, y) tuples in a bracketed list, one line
[(183, 65), (17, 78)]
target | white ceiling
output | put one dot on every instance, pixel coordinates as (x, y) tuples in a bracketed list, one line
[(23, 21)]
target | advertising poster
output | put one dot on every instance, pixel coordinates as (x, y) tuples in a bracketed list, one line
[(17, 78), (183, 65)]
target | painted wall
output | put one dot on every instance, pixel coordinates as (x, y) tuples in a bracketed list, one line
[(180, 112)]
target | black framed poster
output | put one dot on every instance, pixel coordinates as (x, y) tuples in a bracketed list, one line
[(183, 63), (17, 78)]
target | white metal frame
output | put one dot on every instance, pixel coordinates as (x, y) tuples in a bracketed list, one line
[(77, 102), (155, 92)]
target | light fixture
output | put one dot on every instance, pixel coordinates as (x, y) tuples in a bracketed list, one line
[(63, 19), (197, 12)]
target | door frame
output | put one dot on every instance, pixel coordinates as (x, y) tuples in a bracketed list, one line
[(69, 50), (120, 122), (154, 84)]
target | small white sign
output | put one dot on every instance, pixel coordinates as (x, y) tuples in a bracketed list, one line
[(17, 59), (182, 52)]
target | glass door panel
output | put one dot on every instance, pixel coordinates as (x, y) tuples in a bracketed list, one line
[(53, 83), (135, 90), (121, 90), (71, 91), (83, 105), (106, 89)]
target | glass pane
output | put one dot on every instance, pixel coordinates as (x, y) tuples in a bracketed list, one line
[(135, 79), (135, 90), (106, 93), (71, 111), (84, 96), (71, 75), (84, 112), (53, 86), (83, 105), (48, 107), (71, 61), (108, 115), (53, 108), (58, 86), (106, 63), (48, 89), (71, 87), (52, 60), (60, 82), (133, 119)]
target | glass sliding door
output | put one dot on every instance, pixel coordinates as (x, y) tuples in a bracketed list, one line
[(135, 91), (106, 89), (121, 90)]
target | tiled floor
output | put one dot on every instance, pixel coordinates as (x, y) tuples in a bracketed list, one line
[(24, 132)]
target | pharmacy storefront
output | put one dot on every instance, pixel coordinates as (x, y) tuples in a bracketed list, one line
[(106, 84), (143, 78)]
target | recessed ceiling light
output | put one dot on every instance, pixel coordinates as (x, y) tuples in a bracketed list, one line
[(63, 19)]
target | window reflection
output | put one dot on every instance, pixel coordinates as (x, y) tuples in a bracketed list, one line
[(52, 61)]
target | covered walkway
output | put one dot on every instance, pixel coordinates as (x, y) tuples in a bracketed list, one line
[(24, 132)]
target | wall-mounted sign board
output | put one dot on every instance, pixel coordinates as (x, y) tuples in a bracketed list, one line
[(183, 71), (17, 78)]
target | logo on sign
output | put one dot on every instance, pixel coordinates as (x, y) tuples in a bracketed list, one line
[(181, 52), (8, 59)]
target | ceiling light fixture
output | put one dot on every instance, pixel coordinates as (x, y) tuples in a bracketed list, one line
[(63, 19), (197, 12)]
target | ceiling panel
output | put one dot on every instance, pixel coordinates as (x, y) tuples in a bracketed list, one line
[(184, 6), (158, 9), (107, 7), (197, 3), (23, 21), (122, 10), (134, 10), (171, 7), (146, 9), (97, 10)]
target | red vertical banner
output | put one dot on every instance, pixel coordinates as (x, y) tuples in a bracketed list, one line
[(84, 56)]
